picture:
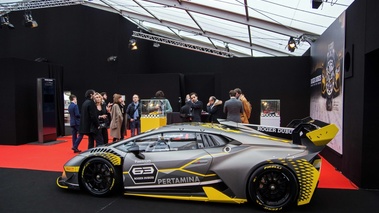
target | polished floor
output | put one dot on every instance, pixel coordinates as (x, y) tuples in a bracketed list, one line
[(23, 190)]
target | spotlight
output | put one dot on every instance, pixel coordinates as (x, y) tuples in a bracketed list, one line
[(41, 59), (316, 3), (4, 21), (29, 21), (133, 44), (112, 58), (291, 44), (156, 45)]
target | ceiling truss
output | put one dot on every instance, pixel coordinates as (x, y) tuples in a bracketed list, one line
[(181, 44), (29, 5)]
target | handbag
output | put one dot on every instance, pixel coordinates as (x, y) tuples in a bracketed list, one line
[(103, 125)]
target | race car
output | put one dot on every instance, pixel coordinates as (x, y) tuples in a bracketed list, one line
[(271, 167)]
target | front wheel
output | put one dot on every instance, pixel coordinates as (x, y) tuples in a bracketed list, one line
[(99, 177), (273, 187)]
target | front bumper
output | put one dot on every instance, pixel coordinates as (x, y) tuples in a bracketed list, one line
[(68, 181)]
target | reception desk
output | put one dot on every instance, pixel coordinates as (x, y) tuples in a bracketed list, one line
[(174, 117)]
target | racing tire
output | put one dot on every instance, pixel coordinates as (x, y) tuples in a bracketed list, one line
[(273, 187), (99, 177)]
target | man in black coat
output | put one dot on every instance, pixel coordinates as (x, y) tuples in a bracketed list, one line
[(214, 108), (89, 122), (197, 107)]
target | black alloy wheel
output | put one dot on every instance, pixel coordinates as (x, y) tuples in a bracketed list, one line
[(273, 187), (99, 177)]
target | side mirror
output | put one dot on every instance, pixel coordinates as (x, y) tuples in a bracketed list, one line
[(135, 150)]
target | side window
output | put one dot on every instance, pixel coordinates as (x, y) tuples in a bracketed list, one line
[(142, 142), (209, 140), (171, 141), (218, 140), (181, 141), (147, 141)]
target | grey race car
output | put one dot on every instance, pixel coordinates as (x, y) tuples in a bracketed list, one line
[(272, 167)]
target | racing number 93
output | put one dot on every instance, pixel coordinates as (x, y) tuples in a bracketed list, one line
[(143, 174)]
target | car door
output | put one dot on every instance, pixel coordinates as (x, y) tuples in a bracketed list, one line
[(169, 161)]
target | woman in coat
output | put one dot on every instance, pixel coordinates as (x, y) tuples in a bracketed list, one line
[(117, 118)]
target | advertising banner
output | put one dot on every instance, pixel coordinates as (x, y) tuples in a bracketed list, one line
[(327, 78)]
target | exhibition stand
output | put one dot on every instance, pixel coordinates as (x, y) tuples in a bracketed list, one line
[(270, 112), (153, 113)]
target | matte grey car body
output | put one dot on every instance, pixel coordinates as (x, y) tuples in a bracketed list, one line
[(227, 162)]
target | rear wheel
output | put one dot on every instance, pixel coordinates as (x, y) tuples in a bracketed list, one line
[(99, 177), (273, 187)]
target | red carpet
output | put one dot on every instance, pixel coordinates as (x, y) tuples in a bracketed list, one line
[(51, 157)]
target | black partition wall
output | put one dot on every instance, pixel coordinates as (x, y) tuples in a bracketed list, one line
[(82, 41), (19, 103)]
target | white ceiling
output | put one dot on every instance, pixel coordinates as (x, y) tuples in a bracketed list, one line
[(243, 28)]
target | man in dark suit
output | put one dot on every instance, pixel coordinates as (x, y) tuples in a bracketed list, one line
[(89, 122), (233, 108), (133, 112), (214, 108), (73, 109), (197, 107)]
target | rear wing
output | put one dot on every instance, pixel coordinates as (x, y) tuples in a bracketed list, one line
[(320, 133)]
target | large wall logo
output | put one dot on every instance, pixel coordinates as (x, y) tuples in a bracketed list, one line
[(143, 173)]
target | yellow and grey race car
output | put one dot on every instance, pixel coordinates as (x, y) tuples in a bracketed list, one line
[(272, 167)]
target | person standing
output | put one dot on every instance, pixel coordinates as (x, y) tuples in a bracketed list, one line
[(102, 116), (73, 109), (133, 112), (89, 122), (245, 115), (186, 110), (124, 123), (107, 106), (214, 108), (196, 106), (117, 118), (164, 105), (233, 108)]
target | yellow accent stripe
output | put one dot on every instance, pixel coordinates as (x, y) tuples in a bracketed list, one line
[(64, 187), (212, 195), (216, 196), (182, 168)]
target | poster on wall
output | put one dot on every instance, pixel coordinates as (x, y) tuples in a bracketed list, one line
[(327, 78)]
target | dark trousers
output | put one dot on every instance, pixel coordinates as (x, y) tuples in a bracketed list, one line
[(135, 127), (95, 136), (76, 138), (104, 133), (123, 130)]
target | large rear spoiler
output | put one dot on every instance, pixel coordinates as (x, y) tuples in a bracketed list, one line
[(320, 133)]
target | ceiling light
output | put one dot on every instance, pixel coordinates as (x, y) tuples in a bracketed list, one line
[(292, 44), (112, 58), (133, 44), (29, 21), (4, 21), (41, 59)]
